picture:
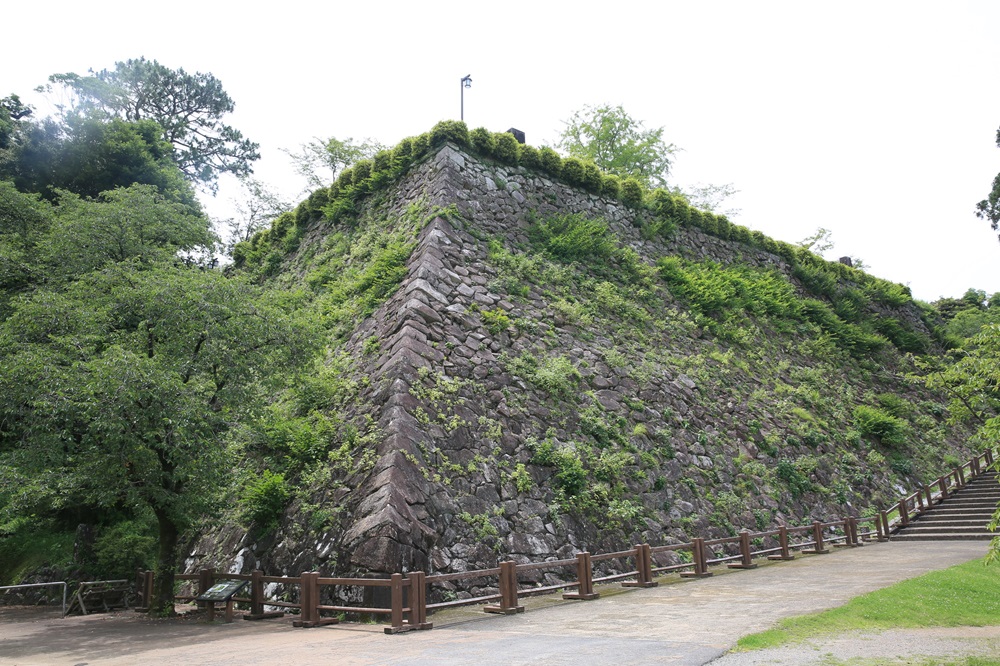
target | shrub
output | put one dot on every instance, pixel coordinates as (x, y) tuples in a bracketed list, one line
[(632, 192), (611, 186), (421, 144), (550, 161), (455, 131), (529, 157), (661, 203), (507, 148), (382, 161), (573, 171), (483, 141), (573, 238), (346, 178), (265, 498), (496, 321), (873, 422), (403, 152), (704, 221), (592, 177), (740, 234), (362, 170), (724, 228), (557, 376)]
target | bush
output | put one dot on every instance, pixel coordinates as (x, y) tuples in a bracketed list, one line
[(529, 157), (662, 204), (264, 499), (382, 161), (557, 376), (403, 152), (611, 186), (455, 131), (345, 179), (362, 170), (632, 192), (873, 422), (573, 238), (508, 148), (483, 141), (592, 177), (550, 161), (573, 171), (421, 144)]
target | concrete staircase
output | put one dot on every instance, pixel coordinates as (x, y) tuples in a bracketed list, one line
[(964, 515)]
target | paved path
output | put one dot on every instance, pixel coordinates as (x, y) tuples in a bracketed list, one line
[(679, 622)]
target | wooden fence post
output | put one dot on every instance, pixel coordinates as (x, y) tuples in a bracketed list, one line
[(960, 475), (700, 560), (585, 577), (746, 556), (144, 589), (783, 542), (989, 456), (904, 515), (418, 600), (818, 548), (974, 466), (396, 594), (206, 578), (643, 568), (943, 487), (256, 592), (508, 591), (308, 600), (850, 540)]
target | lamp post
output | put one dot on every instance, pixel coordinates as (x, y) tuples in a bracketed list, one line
[(466, 83)]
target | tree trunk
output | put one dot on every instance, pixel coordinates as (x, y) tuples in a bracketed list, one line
[(163, 592)]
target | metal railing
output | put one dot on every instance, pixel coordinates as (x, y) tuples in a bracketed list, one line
[(57, 582)]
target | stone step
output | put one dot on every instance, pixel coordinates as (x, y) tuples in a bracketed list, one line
[(950, 504), (946, 529), (952, 517), (935, 536), (959, 519)]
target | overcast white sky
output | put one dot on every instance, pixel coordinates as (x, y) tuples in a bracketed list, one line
[(876, 120)]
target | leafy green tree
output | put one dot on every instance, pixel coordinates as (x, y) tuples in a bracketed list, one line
[(88, 156), (12, 110), (24, 221), (119, 390), (134, 223), (320, 161), (256, 208), (973, 382), (820, 242), (618, 144), (188, 107)]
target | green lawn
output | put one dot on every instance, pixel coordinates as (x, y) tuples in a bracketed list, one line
[(964, 595)]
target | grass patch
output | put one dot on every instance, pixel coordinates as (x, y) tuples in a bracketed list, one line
[(961, 596)]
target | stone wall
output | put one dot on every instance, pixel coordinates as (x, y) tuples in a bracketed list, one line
[(456, 423)]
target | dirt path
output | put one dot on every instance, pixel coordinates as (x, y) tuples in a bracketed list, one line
[(679, 622)]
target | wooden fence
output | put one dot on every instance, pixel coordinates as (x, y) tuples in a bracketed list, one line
[(408, 606)]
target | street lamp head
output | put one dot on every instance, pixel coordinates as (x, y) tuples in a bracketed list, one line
[(467, 80)]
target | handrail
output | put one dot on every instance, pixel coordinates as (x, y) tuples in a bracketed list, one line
[(55, 582)]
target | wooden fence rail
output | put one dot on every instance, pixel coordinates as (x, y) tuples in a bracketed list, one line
[(408, 606)]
